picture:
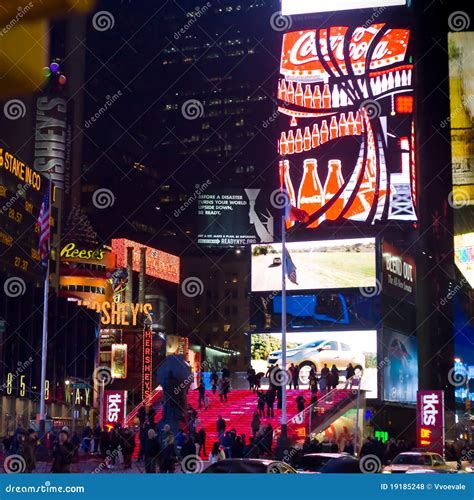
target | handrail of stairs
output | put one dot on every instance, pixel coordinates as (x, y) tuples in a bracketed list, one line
[(146, 402), (353, 384)]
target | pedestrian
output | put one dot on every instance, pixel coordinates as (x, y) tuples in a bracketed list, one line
[(104, 444), (214, 378), (349, 447), (202, 441), (350, 372), (261, 403), (202, 393), (86, 438), (300, 401), (227, 443), (97, 433), (334, 446), (220, 427), (251, 378), (313, 385), (28, 450), (237, 448), (267, 441), (188, 448), (335, 377), (217, 454), (167, 453), (270, 400), (141, 414), (225, 388), (127, 445), (225, 372), (323, 379), (255, 424), (63, 452), (291, 370), (151, 451)]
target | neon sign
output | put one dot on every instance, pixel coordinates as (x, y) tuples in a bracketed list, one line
[(159, 264), (114, 408), (430, 420), (147, 362), (347, 93), (292, 7)]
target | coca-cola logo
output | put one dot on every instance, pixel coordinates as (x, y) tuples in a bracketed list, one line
[(304, 49)]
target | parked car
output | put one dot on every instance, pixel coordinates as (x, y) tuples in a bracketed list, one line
[(327, 463), (417, 460), (249, 466), (317, 353)]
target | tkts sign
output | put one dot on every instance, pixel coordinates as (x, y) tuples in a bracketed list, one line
[(114, 408), (430, 420)]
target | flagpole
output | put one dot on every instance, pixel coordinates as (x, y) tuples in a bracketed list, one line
[(283, 324), (44, 346)]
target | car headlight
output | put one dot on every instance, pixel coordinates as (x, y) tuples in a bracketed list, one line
[(386, 472)]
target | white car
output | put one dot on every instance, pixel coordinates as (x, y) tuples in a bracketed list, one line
[(318, 353), (413, 461)]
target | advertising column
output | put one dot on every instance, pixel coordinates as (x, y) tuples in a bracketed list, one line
[(430, 420)]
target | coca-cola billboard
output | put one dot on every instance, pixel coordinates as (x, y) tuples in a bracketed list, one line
[(430, 420), (114, 408), (347, 141)]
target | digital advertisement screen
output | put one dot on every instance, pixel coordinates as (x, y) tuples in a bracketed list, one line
[(325, 308), (291, 7), (464, 255), (347, 133), (461, 120), (319, 265), (400, 372), (234, 217), (315, 349), (398, 273), (21, 194)]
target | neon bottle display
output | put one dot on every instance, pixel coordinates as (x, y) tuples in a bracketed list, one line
[(298, 141), (299, 94), (308, 97), (317, 97), (324, 132), (334, 182), (291, 93), (333, 128), (285, 179), (291, 143), (306, 139), (310, 194), (315, 136), (326, 97)]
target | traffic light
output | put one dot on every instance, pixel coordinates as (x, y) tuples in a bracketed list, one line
[(24, 41)]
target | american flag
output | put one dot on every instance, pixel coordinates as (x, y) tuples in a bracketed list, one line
[(44, 229)]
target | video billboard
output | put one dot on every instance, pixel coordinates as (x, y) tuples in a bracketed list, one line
[(315, 349), (347, 141), (319, 265), (461, 120), (400, 367), (398, 273), (292, 7), (234, 217)]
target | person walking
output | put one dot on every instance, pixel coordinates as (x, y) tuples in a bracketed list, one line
[(335, 377), (291, 370), (213, 379), (261, 403), (251, 378), (167, 458), (217, 453), (255, 424), (323, 380), (151, 451), (225, 388), (97, 433), (270, 400), (28, 450), (220, 427), (127, 444), (202, 441), (350, 372), (63, 453), (296, 377), (300, 403), (202, 394)]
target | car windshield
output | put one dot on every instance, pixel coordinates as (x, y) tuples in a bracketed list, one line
[(412, 460), (314, 464)]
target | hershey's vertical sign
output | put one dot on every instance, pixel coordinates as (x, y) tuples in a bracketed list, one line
[(53, 139)]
